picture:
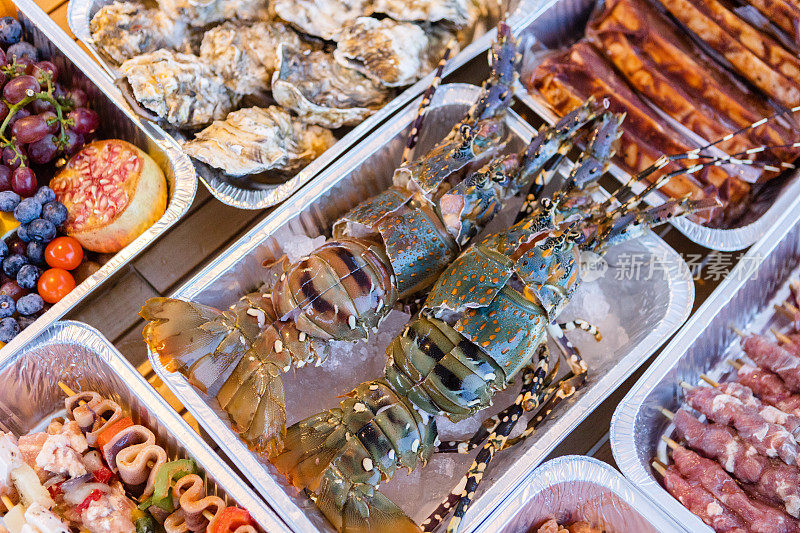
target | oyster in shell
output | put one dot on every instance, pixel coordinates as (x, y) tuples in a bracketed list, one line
[(393, 53), (456, 12), (123, 30), (200, 13), (323, 92), (179, 88), (246, 55), (321, 18), (257, 139)]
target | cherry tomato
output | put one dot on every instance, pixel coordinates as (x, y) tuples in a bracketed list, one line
[(64, 252), (54, 284)]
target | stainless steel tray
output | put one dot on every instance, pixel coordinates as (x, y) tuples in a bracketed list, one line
[(744, 300), (563, 22), (83, 359), (116, 121), (258, 195), (662, 304), (573, 488)]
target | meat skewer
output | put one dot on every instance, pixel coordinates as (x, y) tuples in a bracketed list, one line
[(761, 518), (770, 356), (768, 386), (699, 501), (787, 342), (769, 439), (768, 412), (774, 481)]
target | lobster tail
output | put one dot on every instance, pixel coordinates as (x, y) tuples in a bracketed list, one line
[(343, 454)]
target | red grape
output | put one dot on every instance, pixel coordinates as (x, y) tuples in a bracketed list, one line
[(22, 113), (3, 60), (78, 97), (74, 143), (40, 106), (17, 247), (29, 129), (12, 159), (17, 89), (42, 66), (23, 182), (50, 119), (5, 178), (43, 151), (3, 111), (85, 120), (12, 289)]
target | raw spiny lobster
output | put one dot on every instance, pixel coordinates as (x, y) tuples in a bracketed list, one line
[(385, 249), (485, 320)]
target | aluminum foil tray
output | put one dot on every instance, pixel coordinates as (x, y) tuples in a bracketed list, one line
[(80, 357), (744, 301), (249, 194), (658, 307), (562, 23), (578, 488), (116, 122)]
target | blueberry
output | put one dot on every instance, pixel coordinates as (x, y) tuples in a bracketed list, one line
[(35, 252), (27, 276), (42, 230), (22, 233), (22, 49), (3, 249), (7, 306), (28, 210), (44, 195), (10, 31), (8, 329), (9, 200), (55, 212), (13, 263), (30, 304)]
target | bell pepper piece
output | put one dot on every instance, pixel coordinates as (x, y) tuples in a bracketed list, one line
[(166, 476)]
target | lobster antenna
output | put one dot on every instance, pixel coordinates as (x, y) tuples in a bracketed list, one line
[(664, 160), (427, 96)]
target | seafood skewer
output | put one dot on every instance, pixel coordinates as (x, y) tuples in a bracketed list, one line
[(377, 256)]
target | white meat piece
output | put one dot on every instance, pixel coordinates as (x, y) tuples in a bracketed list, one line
[(10, 458), (109, 514), (61, 452), (43, 520)]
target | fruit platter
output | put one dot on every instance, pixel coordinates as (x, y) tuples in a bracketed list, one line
[(82, 188)]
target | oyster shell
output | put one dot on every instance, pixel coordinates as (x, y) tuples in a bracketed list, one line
[(456, 12), (246, 55), (321, 18), (179, 88), (393, 53), (256, 139), (321, 91), (200, 13), (123, 30)]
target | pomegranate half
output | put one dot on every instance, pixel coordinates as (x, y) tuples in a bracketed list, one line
[(113, 191)]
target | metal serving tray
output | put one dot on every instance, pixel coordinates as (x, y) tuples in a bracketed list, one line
[(116, 122), (662, 305), (248, 194), (79, 356), (573, 488), (744, 300), (562, 23)]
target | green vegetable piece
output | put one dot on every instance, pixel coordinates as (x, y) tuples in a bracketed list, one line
[(146, 524), (166, 476)]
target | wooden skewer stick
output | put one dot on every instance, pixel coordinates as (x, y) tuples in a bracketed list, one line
[(671, 443), (710, 381), (659, 467), (783, 339), (735, 363), (7, 502), (739, 332), (69, 392), (666, 412)]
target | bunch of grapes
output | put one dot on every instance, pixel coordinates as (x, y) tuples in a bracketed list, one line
[(40, 121)]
